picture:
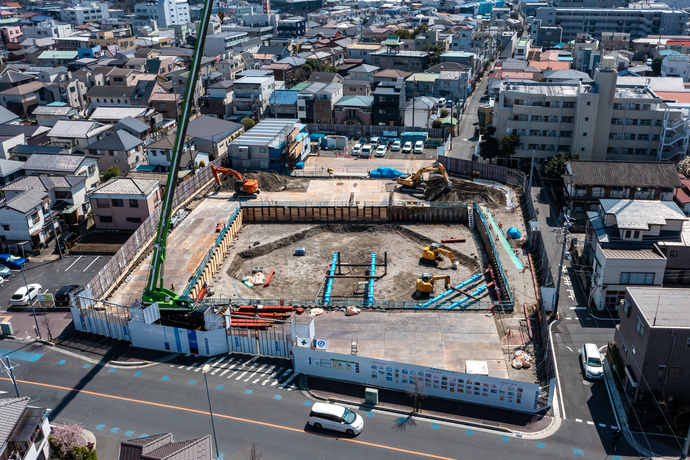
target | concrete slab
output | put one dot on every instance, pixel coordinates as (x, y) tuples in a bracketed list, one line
[(334, 191)]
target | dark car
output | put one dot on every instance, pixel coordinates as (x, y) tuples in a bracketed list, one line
[(62, 295), (13, 262)]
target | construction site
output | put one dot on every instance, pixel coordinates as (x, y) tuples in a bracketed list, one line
[(394, 269)]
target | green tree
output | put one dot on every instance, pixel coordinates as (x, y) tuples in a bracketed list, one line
[(656, 65), (420, 30), (435, 52), (554, 168), (202, 164), (111, 172), (404, 34), (248, 123), (509, 145), (444, 113), (437, 124), (489, 148)]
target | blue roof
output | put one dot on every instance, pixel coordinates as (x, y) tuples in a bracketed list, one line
[(145, 168), (57, 104), (283, 97), (565, 58), (559, 46)]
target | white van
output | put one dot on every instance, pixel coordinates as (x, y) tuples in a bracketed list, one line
[(592, 361), (334, 417)]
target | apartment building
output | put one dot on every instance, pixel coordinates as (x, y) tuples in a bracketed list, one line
[(600, 121), (637, 22), (251, 95), (45, 29), (223, 43), (85, 12), (166, 13), (676, 65)]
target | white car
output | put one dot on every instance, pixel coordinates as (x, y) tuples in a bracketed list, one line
[(375, 141), (335, 417), (381, 150), (356, 149), (592, 361), (5, 271), (21, 297), (396, 146), (419, 147), (407, 148), (366, 152)]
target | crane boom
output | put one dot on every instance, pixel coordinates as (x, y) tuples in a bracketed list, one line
[(155, 291)]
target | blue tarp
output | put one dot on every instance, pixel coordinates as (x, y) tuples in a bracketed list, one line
[(514, 233), (385, 173)]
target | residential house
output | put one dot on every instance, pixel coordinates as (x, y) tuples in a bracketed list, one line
[(122, 38), (78, 134), (325, 77), (133, 126), (453, 85), (48, 115), (356, 87), (676, 65), (392, 58), (421, 112), (354, 110), (273, 144), (419, 84), (9, 141), (212, 135), (633, 242), (23, 152), (21, 99), (24, 430), (390, 75), (283, 104), (55, 58), (682, 196), (169, 105), (12, 79), (123, 203), (363, 51), (163, 446), (586, 182), (160, 154), (7, 117), (251, 95), (70, 92), (389, 103), (27, 221), (10, 170), (364, 72), (64, 165), (315, 102), (218, 101), (653, 339), (119, 149)]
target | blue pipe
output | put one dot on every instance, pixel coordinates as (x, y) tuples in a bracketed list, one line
[(476, 292), (372, 271), (450, 291), (329, 284)]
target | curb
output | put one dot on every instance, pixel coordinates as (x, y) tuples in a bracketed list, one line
[(518, 434), (128, 363), (45, 342)]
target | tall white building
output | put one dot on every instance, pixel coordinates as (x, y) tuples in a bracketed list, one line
[(48, 29), (79, 13), (166, 13)]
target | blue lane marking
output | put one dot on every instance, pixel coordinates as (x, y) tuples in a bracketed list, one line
[(20, 355), (541, 445), (434, 426), (307, 402), (192, 382), (220, 387), (369, 414), (469, 432), (86, 366), (402, 419), (112, 369), (100, 427), (577, 452), (138, 374), (114, 430), (221, 453), (505, 438), (62, 361), (143, 436), (277, 397), (615, 458), (248, 392), (165, 377), (129, 434)]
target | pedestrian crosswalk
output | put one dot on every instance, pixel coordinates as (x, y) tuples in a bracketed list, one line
[(243, 370)]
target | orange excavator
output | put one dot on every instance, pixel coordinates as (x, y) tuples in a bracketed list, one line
[(242, 185)]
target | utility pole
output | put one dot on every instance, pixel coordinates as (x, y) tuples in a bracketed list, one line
[(9, 368), (566, 225), (213, 424), (31, 302)]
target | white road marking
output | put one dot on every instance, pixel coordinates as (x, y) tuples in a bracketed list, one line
[(222, 366), (287, 382), (285, 374), (192, 366), (207, 362), (74, 263), (233, 374), (568, 317), (255, 372), (578, 420), (94, 261), (242, 375), (590, 423), (272, 375), (568, 347)]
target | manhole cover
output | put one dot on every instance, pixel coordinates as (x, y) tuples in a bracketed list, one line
[(339, 183), (355, 184), (585, 382)]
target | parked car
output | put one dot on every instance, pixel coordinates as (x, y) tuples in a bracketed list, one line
[(13, 262), (407, 148), (335, 417), (22, 296), (381, 150), (367, 150), (592, 361), (2, 281), (442, 102), (356, 149), (375, 140), (449, 104), (649, 62), (5, 271), (363, 141), (396, 146), (62, 295), (419, 147)]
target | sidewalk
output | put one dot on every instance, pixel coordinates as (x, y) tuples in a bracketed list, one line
[(435, 408)]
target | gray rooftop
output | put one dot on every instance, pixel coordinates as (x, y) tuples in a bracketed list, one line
[(206, 127), (27, 201), (11, 411), (126, 186), (44, 183), (623, 174), (663, 307), (7, 167), (641, 214), (58, 163), (119, 140), (132, 125), (77, 129), (6, 115)]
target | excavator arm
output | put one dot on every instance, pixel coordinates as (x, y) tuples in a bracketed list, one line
[(425, 284), (242, 184), (414, 180), (231, 172)]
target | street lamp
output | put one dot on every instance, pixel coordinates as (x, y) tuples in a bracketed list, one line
[(31, 302), (215, 438)]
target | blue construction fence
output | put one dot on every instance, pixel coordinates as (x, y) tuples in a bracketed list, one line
[(504, 279)]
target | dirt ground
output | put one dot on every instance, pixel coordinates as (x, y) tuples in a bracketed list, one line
[(463, 191), (269, 181), (101, 242), (302, 277)]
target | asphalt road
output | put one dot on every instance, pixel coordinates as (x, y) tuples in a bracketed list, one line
[(465, 143), (125, 403), (52, 274)]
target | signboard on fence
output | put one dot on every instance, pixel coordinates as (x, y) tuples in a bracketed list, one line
[(478, 389), (45, 298)]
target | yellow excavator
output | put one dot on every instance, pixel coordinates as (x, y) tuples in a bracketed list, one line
[(415, 181), (425, 284), (434, 252)]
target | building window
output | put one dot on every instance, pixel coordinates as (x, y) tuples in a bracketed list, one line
[(637, 278), (106, 219), (584, 134), (674, 253), (134, 220), (640, 327), (117, 203), (626, 308), (7, 229), (133, 203), (102, 203), (675, 372)]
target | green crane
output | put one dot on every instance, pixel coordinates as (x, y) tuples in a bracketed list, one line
[(155, 291)]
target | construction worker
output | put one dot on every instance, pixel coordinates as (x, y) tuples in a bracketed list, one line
[(172, 287)]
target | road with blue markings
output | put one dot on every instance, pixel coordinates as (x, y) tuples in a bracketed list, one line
[(256, 400)]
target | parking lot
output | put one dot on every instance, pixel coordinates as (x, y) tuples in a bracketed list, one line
[(427, 154), (52, 274)]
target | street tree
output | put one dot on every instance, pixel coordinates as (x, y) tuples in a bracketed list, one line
[(554, 168), (489, 148), (656, 65), (403, 34), (248, 123), (111, 172), (509, 145), (438, 124)]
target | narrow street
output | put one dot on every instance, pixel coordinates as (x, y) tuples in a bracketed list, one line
[(464, 144)]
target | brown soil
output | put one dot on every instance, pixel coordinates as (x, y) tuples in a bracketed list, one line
[(463, 191), (270, 181)]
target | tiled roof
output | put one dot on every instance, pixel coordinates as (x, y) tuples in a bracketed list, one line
[(392, 73), (6, 115), (622, 174), (27, 200), (132, 125), (119, 141), (177, 447), (58, 163), (52, 110), (166, 143), (207, 127), (640, 214), (77, 129), (11, 411), (126, 186), (7, 167), (355, 101), (43, 183)]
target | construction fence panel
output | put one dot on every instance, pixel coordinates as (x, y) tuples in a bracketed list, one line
[(274, 342), (474, 169), (242, 340), (357, 131)]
